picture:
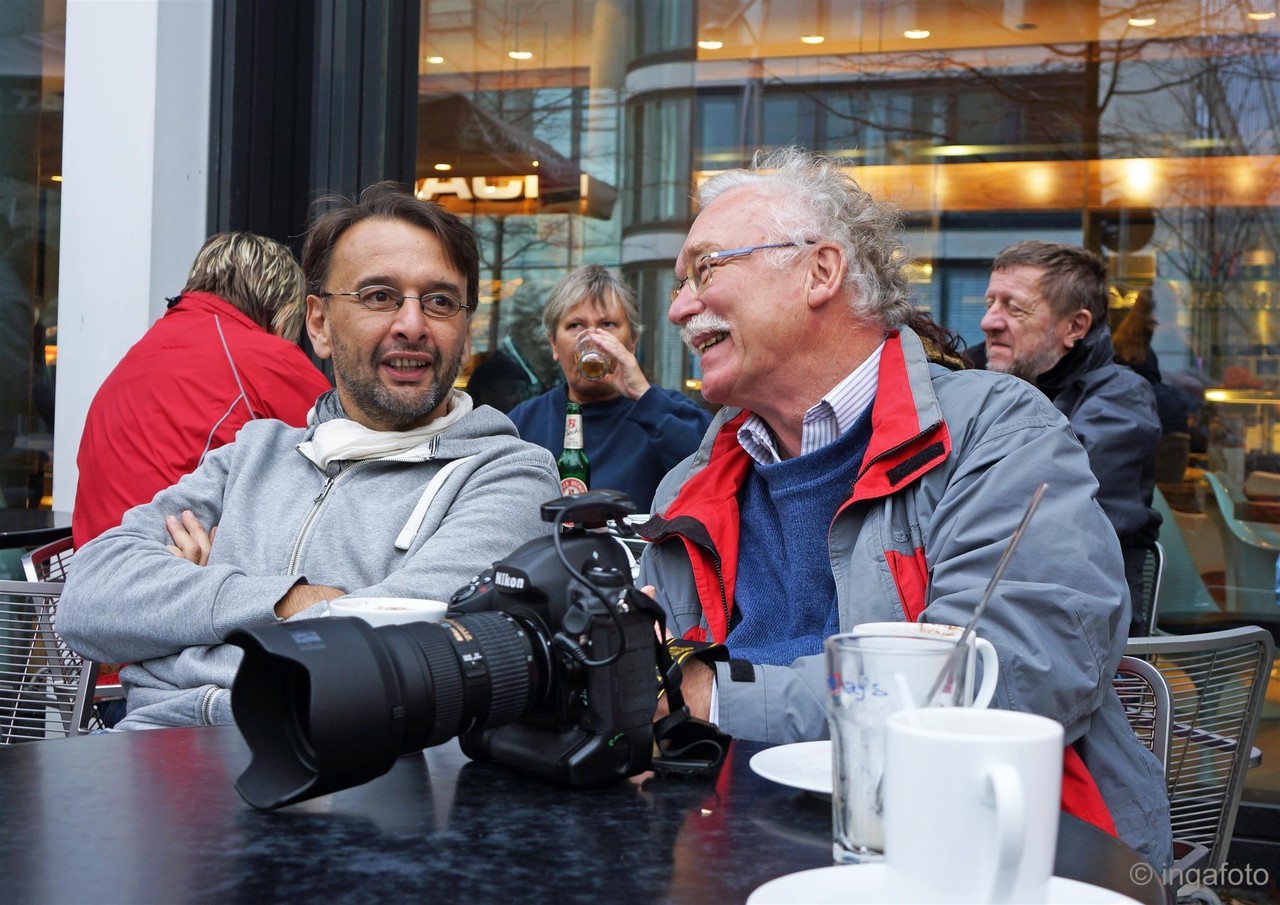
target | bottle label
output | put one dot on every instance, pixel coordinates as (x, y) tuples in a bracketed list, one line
[(573, 432), (570, 486)]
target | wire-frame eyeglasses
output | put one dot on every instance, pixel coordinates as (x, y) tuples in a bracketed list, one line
[(384, 299), (699, 273)]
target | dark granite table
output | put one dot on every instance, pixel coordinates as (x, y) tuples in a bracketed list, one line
[(153, 817), (32, 527)]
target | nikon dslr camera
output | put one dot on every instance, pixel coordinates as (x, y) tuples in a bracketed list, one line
[(547, 662)]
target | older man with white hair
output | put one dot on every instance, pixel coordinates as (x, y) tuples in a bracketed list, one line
[(848, 479)]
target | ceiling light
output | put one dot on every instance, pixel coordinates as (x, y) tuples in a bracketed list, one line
[(951, 151), (811, 39), (520, 54), (435, 61), (916, 34), (711, 45), (1261, 17), (1142, 21), (533, 163), (443, 167), (1203, 144)]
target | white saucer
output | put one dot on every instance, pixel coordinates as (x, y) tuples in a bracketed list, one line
[(853, 884), (801, 765)]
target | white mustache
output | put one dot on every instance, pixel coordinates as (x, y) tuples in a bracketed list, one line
[(701, 324)]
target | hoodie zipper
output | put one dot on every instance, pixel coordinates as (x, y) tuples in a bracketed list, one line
[(316, 505), (206, 706)]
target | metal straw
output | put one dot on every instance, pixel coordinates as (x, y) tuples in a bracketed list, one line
[(991, 586)]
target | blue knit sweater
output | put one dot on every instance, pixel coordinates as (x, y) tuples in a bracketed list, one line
[(785, 594)]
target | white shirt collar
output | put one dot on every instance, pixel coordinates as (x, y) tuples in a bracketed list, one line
[(826, 420)]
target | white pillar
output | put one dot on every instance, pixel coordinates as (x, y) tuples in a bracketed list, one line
[(135, 165)]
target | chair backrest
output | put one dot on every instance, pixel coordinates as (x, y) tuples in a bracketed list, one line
[(1147, 609), (1217, 683), (1182, 590), (45, 687), (1144, 694), (49, 562), (1250, 554)]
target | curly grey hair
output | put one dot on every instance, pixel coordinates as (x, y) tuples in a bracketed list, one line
[(817, 201)]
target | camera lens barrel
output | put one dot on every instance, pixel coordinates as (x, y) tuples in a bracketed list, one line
[(474, 671), (328, 703)]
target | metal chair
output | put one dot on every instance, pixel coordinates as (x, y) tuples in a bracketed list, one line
[(49, 563), (1217, 684), (1147, 610), (45, 687), (1251, 549), (1144, 695), (1183, 594)]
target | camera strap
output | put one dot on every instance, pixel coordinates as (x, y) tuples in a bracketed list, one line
[(687, 745)]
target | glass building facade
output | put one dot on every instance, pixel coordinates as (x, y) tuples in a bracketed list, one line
[(31, 50), (573, 131)]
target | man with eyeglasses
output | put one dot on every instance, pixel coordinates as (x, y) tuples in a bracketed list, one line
[(633, 432), (1046, 322), (848, 480), (396, 488)]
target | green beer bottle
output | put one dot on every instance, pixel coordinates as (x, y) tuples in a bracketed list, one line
[(575, 470)]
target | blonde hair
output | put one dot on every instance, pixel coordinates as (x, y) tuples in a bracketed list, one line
[(597, 283), (257, 275)]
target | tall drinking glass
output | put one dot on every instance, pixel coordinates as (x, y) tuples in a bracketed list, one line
[(869, 678)]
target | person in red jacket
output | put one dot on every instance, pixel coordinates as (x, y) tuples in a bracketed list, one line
[(224, 354)]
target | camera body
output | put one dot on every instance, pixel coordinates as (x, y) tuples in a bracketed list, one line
[(591, 723)]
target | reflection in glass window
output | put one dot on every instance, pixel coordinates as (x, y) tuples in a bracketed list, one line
[(661, 190), (1156, 146), (32, 39)]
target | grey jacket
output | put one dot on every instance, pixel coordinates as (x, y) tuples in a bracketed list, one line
[(953, 462), (1112, 410), (281, 521)]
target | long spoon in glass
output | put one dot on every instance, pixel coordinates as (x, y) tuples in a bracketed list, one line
[(991, 586)]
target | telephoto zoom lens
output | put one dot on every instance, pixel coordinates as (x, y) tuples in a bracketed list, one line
[(326, 704)]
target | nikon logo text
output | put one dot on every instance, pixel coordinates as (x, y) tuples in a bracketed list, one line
[(506, 580)]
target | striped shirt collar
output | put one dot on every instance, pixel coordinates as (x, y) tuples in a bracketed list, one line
[(830, 417)]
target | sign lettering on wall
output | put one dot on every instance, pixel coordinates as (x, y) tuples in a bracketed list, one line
[(479, 188)]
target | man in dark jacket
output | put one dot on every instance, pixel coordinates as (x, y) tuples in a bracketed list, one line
[(1046, 322)]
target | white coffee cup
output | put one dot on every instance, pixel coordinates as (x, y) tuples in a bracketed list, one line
[(388, 610), (971, 801), (977, 696)]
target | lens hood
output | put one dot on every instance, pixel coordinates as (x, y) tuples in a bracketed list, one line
[(342, 726)]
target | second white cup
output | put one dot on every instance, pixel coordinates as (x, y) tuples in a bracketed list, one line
[(979, 649), (388, 610)]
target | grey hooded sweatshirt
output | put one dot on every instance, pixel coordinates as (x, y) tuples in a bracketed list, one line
[(282, 520)]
